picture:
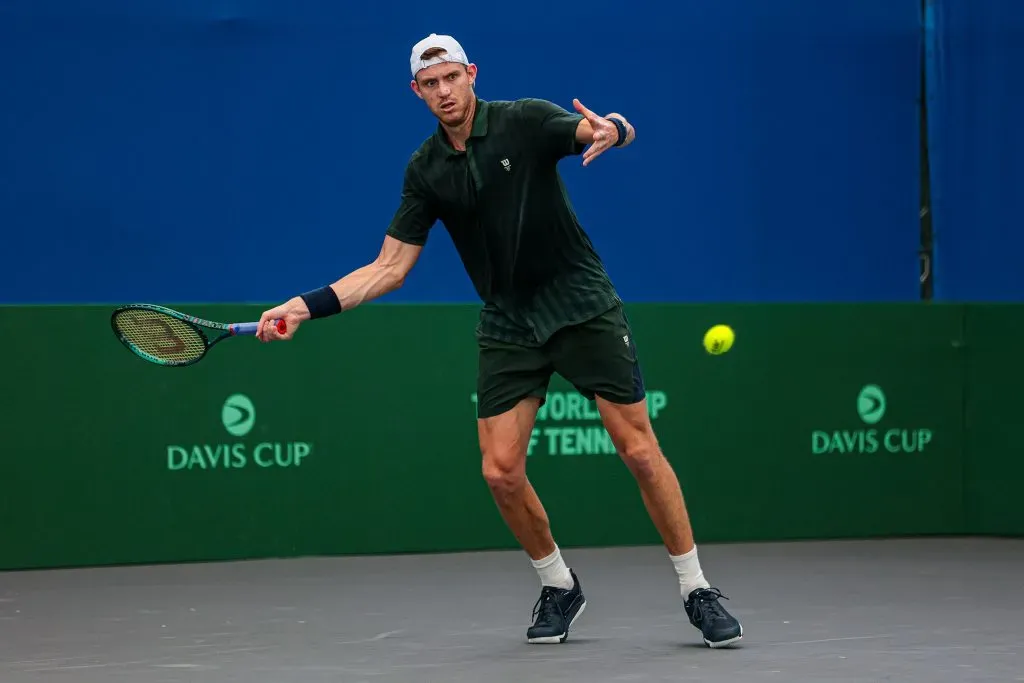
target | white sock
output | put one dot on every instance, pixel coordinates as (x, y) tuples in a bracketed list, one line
[(552, 570), (691, 577)]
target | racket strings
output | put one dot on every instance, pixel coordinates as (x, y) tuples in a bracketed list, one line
[(160, 336)]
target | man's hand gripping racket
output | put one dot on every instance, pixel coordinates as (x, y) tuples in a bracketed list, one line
[(293, 312)]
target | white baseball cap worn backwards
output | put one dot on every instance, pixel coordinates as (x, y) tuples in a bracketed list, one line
[(455, 52)]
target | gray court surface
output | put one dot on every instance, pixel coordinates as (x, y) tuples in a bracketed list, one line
[(892, 610)]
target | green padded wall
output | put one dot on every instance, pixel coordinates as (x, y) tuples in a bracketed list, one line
[(360, 437), (994, 463)]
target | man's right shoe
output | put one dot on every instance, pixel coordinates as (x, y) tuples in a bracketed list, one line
[(555, 612)]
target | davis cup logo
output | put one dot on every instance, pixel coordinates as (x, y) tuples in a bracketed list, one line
[(871, 404), (875, 433), (238, 415)]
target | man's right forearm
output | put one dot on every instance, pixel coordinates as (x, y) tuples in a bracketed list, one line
[(365, 284), (359, 286), (384, 274)]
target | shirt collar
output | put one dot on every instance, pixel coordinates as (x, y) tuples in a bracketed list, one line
[(479, 120)]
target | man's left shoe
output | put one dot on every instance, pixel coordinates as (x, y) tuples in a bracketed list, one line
[(718, 627), (556, 611)]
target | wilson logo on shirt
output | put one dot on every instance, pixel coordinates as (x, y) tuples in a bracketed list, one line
[(506, 164)]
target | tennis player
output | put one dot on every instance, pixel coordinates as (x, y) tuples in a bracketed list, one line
[(488, 174)]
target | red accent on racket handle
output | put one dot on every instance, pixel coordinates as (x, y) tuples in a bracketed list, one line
[(282, 326)]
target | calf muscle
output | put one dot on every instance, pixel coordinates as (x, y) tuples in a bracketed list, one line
[(503, 443)]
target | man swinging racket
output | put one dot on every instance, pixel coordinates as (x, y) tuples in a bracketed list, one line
[(489, 174)]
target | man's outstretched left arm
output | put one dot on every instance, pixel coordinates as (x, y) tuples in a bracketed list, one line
[(601, 132)]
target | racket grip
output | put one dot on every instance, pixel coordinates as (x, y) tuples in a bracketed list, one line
[(252, 328)]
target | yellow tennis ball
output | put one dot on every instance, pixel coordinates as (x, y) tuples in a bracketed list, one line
[(719, 339)]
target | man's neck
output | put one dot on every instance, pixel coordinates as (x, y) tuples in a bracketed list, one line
[(459, 134)]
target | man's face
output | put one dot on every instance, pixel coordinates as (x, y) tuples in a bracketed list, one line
[(448, 91)]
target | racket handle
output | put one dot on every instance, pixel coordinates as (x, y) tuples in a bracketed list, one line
[(252, 328)]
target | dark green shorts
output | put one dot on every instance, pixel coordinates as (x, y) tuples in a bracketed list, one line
[(598, 357)]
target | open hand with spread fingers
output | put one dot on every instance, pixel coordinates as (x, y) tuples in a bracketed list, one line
[(606, 133)]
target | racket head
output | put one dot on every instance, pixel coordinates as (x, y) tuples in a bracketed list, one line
[(160, 335)]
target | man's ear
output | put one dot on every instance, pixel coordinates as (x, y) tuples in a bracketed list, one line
[(416, 88)]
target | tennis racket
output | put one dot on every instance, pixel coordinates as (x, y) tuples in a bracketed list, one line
[(167, 337)]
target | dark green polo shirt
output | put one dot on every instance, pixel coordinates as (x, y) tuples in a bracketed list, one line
[(509, 216)]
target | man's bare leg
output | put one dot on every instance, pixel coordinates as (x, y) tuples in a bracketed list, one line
[(503, 443), (630, 429)]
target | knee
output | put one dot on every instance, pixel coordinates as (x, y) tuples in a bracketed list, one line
[(642, 456), (503, 472)]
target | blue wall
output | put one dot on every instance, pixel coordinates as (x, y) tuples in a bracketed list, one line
[(976, 130), (244, 151)]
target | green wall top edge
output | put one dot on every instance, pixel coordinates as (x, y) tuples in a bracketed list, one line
[(455, 304)]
